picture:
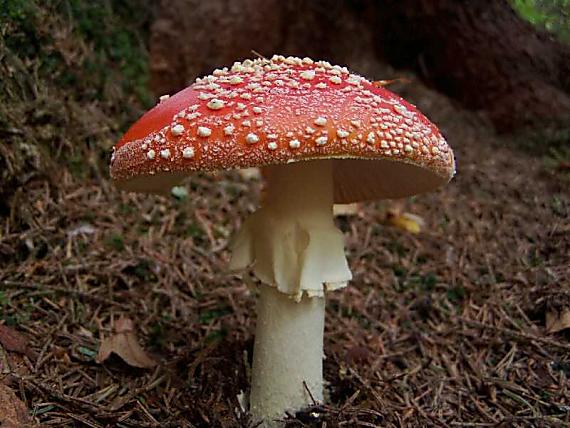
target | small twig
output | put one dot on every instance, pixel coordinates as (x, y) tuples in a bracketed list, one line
[(381, 83), (54, 289), (4, 362), (309, 392), (257, 54), (550, 418), (81, 403), (134, 392), (516, 334)]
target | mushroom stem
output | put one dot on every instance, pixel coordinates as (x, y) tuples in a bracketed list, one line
[(288, 351), (294, 247)]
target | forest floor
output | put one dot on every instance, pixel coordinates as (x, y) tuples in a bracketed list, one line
[(441, 328), (466, 323)]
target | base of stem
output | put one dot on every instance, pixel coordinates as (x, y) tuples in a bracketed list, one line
[(288, 354)]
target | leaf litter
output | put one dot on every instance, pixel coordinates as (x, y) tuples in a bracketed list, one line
[(14, 341), (445, 327), (125, 344), (14, 412)]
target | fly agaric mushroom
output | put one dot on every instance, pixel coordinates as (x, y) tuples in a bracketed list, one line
[(324, 136)]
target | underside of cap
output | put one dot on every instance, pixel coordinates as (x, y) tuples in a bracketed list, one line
[(355, 180), (364, 180)]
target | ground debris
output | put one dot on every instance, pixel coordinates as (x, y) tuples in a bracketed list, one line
[(447, 327), (557, 321), (14, 413), (14, 341), (125, 344), (407, 222)]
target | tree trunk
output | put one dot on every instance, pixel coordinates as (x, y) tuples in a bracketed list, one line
[(482, 54), (478, 52)]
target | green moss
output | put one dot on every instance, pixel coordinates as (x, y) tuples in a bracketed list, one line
[(558, 207), (115, 241), (216, 336), (116, 48), (4, 300), (126, 209), (207, 317), (424, 283), (399, 271), (86, 64), (142, 270), (18, 17), (157, 336), (194, 231), (456, 294), (552, 15)]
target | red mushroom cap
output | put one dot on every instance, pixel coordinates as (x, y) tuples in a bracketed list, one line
[(266, 112)]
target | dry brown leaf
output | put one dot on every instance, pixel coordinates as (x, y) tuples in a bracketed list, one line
[(124, 343), (406, 221), (13, 341), (13, 412), (557, 320)]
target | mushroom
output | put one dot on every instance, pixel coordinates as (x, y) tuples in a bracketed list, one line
[(324, 136)]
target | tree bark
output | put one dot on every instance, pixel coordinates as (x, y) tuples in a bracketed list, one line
[(479, 52), (483, 54)]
